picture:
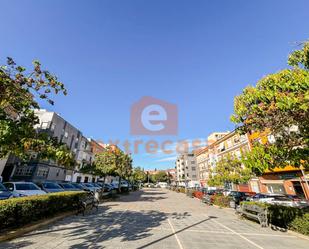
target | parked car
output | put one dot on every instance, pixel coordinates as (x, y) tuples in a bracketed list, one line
[(89, 187), (79, 186), (4, 192), (50, 187), (98, 186), (280, 199), (263, 197), (238, 196), (68, 187), (20, 189), (105, 186)]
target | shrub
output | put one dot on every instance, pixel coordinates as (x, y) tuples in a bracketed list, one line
[(282, 216), (221, 200), (293, 218), (198, 194), (20, 211), (181, 190), (301, 224)]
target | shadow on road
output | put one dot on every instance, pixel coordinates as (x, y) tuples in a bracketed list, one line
[(96, 229), (141, 196)]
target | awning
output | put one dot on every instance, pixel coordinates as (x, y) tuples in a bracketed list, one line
[(272, 181)]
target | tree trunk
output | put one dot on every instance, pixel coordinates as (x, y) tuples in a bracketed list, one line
[(119, 185)]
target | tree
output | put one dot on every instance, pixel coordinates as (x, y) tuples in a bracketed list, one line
[(18, 90), (229, 170), (160, 176), (139, 175), (279, 105), (113, 161)]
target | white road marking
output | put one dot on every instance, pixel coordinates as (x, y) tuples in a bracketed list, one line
[(238, 234), (174, 232), (221, 232)]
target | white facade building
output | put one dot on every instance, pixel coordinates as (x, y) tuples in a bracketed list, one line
[(186, 170)]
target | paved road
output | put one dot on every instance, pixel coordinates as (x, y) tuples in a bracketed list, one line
[(160, 219)]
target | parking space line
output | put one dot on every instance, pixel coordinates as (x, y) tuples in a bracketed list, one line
[(174, 232), (222, 232), (236, 233)]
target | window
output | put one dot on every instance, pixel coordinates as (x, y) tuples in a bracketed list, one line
[(52, 126), (193, 176), (275, 188), (43, 172), (193, 168), (192, 162), (66, 134), (23, 171), (44, 125), (236, 139), (229, 143)]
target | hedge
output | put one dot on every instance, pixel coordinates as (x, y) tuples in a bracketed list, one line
[(293, 218), (16, 212), (301, 224)]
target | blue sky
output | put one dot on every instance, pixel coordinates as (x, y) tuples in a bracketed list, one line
[(195, 54)]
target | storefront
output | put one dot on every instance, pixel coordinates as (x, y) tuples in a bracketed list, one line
[(289, 182)]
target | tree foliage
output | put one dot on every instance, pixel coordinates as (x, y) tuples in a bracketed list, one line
[(279, 104), (229, 170), (160, 176), (113, 161), (139, 175), (19, 89)]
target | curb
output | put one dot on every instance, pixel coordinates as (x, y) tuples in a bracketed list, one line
[(12, 234), (298, 235)]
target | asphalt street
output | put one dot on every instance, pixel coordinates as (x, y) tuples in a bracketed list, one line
[(157, 218)]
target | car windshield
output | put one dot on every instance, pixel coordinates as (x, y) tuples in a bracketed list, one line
[(2, 187), (50, 185), (26, 186), (67, 185), (88, 185)]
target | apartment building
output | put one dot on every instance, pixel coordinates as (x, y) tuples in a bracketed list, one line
[(206, 157), (84, 157), (220, 146), (186, 169), (55, 126)]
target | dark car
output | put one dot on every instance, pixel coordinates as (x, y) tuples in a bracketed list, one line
[(209, 195), (68, 187), (105, 186), (50, 187), (4, 193), (79, 186), (238, 196)]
